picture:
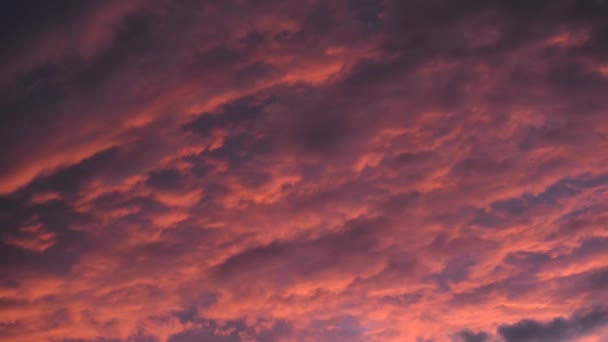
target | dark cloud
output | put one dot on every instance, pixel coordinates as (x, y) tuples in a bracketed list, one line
[(558, 329), (599, 280), (471, 336), (165, 179), (232, 115), (235, 331), (24, 22), (455, 270)]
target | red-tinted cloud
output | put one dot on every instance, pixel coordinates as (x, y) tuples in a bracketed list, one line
[(309, 171)]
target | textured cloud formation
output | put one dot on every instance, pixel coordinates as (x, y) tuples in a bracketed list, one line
[(350, 170), (559, 329)]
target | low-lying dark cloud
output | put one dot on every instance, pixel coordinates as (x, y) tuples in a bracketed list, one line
[(559, 329)]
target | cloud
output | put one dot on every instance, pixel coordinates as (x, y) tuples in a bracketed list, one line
[(311, 171), (470, 336), (559, 329)]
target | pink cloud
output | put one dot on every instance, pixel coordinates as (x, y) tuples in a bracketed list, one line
[(344, 171)]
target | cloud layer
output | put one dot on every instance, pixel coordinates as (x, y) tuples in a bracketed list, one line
[(352, 170)]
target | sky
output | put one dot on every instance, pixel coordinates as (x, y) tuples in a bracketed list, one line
[(284, 171)]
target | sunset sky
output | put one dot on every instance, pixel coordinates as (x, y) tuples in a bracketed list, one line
[(285, 171)]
